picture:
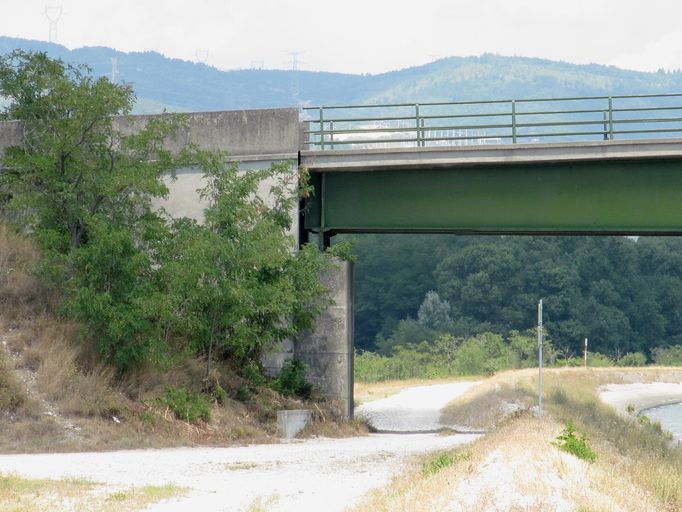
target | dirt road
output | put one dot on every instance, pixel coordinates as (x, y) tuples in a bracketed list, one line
[(310, 475)]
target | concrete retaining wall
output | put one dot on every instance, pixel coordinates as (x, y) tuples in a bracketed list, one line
[(269, 133), (240, 132)]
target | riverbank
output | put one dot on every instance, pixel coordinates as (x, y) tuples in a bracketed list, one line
[(518, 465)]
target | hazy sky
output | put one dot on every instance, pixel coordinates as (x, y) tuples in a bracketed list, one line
[(363, 36)]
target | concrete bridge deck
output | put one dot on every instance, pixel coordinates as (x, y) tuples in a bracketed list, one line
[(348, 160)]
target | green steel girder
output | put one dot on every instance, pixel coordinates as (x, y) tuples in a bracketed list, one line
[(639, 196)]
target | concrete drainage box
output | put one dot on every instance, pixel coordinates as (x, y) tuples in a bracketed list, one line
[(291, 422)]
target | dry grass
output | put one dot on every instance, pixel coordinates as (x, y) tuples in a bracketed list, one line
[(55, 396), (31, 495), (515, 467)]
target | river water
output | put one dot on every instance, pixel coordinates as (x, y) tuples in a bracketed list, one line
[(670, 417)]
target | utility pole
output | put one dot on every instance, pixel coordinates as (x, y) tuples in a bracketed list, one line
[(540, 358)]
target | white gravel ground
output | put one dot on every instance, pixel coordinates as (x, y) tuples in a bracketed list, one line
[(311, 475), (416, 409)]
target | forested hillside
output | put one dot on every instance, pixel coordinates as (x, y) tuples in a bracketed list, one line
[(177, 85), (624, 294)]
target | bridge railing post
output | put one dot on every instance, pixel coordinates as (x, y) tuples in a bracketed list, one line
[(321, 127), (513, 121), (610, 118), (417, 123)]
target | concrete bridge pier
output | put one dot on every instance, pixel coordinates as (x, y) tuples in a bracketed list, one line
[(327, 349)]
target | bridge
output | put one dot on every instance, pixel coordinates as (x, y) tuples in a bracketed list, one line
[(591, 165), (571, 166), (587, 165)]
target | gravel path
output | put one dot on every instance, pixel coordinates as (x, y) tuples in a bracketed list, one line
[(310, 475), (640, 395), (414, 409)]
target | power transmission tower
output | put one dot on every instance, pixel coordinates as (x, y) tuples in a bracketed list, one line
[(201, 55), (294, 75), (53, 13)]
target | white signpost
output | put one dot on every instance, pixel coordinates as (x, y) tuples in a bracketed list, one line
[(585, 354)]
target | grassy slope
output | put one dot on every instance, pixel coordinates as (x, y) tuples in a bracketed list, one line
[(55, 395), (516, 466)]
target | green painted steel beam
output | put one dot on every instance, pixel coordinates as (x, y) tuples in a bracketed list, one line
[(627, 196)]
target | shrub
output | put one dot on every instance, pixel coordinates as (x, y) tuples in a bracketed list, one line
[(632, 359), (442, 461), (569, 442), (668, 356), (433, 466), (372, 367), (253, 374), (484, 354), (594, 359), (187, 405), (291, 380)]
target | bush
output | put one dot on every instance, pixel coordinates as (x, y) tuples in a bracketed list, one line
[(668, 356), (632, 359), (484, 354), (594, 359), (433, 466), (291, 380), (372, 367), (569, 442), (253, 374), (187, 405), (442, 461)]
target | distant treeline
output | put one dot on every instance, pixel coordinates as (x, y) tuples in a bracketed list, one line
[(624, 294)]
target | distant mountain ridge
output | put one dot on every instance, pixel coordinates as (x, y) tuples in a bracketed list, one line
[(176, 85)]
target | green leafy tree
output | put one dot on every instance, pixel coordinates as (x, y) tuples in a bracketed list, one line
[(236, 283), (74, 167), (84, 189), (434, 312), (149, 288)]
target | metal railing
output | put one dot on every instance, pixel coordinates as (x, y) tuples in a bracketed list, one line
[(493, 122)]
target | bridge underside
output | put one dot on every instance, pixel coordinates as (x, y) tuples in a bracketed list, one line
[(638, 196)]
